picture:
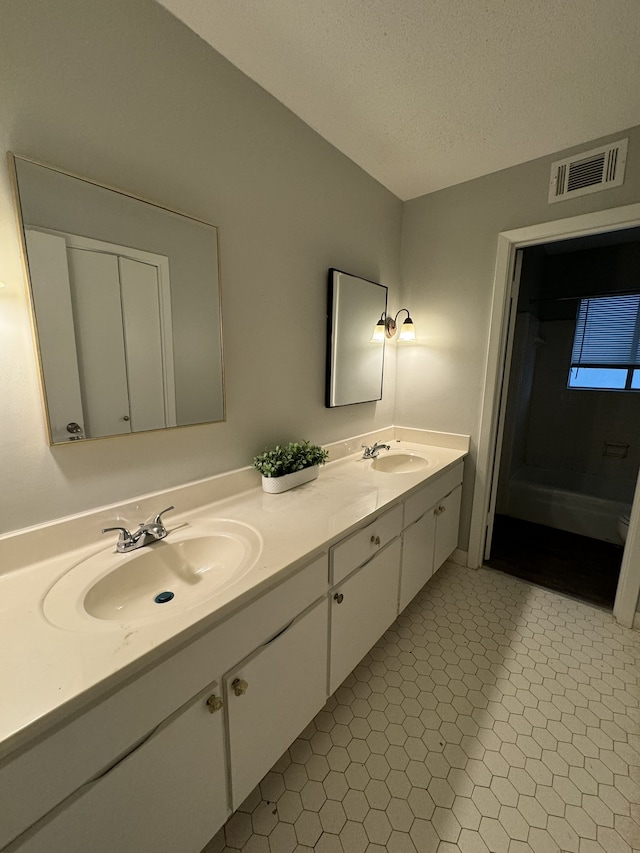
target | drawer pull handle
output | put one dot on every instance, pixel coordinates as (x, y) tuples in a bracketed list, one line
[(239, 686), (375, 540), (338, 598), (214, 703)]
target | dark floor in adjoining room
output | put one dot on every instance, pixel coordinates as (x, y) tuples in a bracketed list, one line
[(566, 562)]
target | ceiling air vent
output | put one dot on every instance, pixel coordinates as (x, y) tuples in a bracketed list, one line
[(588, 172)]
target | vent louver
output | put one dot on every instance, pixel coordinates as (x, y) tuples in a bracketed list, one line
[(588, 172)]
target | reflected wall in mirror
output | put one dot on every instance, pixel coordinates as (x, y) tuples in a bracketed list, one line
[(354, 361), (125, 299)]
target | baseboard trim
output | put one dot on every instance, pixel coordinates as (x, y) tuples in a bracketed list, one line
[(460, 557)]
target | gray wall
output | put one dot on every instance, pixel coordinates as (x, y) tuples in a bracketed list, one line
[(124, 94), (448, 261)]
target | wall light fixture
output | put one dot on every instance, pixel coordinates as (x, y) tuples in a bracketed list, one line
[(386, 327)]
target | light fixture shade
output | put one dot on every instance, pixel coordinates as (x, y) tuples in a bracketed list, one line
[(407, 331), (378, 332)]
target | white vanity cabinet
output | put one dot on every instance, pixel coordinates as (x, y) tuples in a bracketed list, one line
[(146, 769), (272, 695), (160, 755), (168, 794), (430, 535)]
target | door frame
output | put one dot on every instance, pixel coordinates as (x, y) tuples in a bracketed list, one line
[(500, 342)]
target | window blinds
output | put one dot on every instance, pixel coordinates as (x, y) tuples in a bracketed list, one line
[(607, 332)]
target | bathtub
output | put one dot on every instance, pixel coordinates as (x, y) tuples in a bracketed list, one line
[(568, 500)]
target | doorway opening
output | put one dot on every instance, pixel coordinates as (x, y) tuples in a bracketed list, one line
[(496, 378), (570, 431)]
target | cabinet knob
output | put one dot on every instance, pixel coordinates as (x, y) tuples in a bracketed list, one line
[(375, 540), (338, 598), (442, 509), (214, 703), (239, 686)]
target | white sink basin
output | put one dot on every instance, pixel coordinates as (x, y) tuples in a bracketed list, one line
[(155, 582), (401, 462)]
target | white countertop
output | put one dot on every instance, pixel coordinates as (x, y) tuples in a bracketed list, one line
[(48, 672)]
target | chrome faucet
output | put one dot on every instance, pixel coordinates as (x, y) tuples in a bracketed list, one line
[(151, 531), (373, 451)]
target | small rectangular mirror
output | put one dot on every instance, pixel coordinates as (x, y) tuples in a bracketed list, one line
[(354, 361), (125, 300)]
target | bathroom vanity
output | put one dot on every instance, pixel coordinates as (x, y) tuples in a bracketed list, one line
[(146, 735)]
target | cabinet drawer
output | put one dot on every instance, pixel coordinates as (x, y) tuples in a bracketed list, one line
[(168, 794), (363, 544), (362, 608), (429, 494), (279, 689), (234, 639)]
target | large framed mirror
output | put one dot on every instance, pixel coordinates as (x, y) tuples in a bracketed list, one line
[(355, 361), (126, 308)]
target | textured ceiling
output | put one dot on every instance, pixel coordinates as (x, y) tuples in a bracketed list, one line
[(423, 94)]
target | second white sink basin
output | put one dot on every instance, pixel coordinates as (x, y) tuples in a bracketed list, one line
[(401, 462), (155, 582)]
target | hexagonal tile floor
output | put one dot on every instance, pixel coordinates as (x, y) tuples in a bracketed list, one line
[(492, 717)]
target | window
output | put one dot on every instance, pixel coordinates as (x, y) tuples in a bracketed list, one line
[(606, 346)]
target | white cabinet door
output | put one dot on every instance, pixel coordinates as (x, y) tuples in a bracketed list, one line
[(169, 794), (140, 294), (448, 522), (97, 315), (418, 542), (362, 608), (272, 695)]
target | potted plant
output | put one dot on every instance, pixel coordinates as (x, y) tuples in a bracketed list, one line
[(290, 465)]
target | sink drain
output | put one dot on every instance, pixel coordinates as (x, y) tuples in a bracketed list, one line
[(163, 597)]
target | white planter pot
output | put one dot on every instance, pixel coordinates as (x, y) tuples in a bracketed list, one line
[(276, 485)]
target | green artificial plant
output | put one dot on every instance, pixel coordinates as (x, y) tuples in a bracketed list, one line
[(290, 458)]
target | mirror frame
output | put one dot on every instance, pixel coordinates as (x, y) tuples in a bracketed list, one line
[(13, 159), (333, 339)]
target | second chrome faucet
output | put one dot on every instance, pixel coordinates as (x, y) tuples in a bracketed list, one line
[(373, 451)]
